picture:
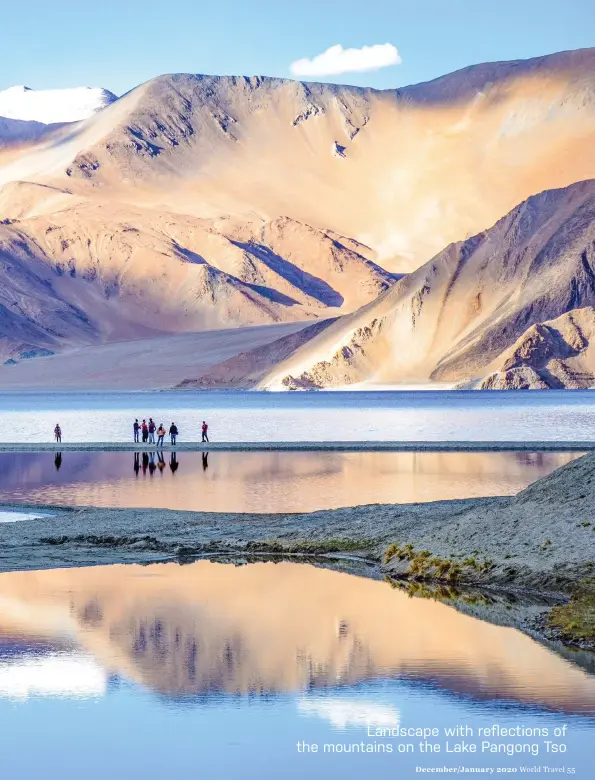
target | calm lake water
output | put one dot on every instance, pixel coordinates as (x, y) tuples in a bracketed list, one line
[(322, 416), (220, 671), (265, 481)]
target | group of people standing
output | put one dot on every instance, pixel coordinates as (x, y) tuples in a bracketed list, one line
[(146, 432)]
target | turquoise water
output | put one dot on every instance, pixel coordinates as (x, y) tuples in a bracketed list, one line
[(321, 416)]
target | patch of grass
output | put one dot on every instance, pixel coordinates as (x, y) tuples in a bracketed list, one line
[(425, 566), (486, 566), (442, 569), (313, 547), (454, 572), (471, 562), (575, 620), (392, 551), (402, 553), (418, 566)]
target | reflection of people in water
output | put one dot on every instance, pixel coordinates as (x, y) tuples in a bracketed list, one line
[(160, 462), (58, 461), (145, 462), (136, 463), (152, 465), (173, 462), (205, 461)]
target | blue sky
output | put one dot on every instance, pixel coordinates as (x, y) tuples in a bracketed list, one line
[(117, 44)]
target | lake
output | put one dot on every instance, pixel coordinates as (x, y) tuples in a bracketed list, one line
[(295, 416), (224, 671), (265, 481)]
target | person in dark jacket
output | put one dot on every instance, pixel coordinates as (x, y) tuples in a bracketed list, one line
[(173, 432), (136, 429)]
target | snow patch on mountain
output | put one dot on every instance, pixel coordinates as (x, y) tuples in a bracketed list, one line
[(50, 106)]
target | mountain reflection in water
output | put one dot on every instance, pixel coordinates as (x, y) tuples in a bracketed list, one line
[(266, 481), (209, 629)]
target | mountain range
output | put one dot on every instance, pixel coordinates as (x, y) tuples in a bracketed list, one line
[(27, 114), (436, 233)]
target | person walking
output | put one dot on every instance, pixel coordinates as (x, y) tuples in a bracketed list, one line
[(136, 429), (152, 427), (58, 433), (145, 431), (205, 431), (173, 432), (160, 435)]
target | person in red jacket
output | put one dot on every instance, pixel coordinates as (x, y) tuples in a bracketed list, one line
[(205, 431)]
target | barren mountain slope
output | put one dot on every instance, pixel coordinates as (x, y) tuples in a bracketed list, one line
[(91, 272), (555, 354), (453, 319), (18, 131), (403, 171)]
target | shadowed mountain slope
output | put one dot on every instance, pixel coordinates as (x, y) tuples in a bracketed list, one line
[(458, 317)]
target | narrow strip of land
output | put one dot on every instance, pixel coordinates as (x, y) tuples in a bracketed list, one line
[(310, 446)]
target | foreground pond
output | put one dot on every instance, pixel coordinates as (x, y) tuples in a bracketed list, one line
[(221, 671), (265, 481)]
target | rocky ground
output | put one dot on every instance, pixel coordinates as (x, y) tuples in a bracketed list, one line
[(541, 542)]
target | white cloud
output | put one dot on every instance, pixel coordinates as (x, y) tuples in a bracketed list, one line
[(338, 60), (341, 713), (52, 675)]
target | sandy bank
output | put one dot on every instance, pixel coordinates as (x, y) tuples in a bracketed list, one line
[(156, 363), (309, 446)]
